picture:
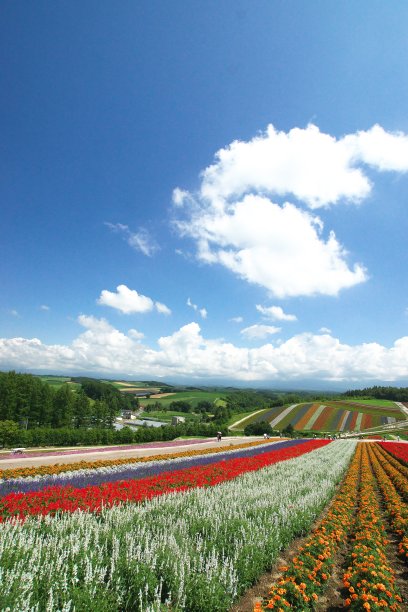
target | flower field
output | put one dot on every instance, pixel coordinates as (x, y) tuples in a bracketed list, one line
[(371, 502), (60, 468), (332, 416), (196, 549), (194, 532), (134, 486)]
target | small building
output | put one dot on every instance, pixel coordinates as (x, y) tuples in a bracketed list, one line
[(127, 415), (177, 420)]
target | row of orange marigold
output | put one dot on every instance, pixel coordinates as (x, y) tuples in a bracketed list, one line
[(369, 581)]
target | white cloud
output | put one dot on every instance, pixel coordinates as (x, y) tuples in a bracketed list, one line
[(14, 312), (102, 348), (141, 240), (44, 307), (237, 319), (325, 330), (201, 311), (384, 151), (235, 222), (315, 167), (135, 335), (258, 332), (277, 247), (162, 308), (275, 313), (129, 301)]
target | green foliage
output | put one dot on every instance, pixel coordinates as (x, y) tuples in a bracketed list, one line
[(258, 429), (180, 406), (70, 436), (288, 431), (31, 402), (8, 429), (396, 394)]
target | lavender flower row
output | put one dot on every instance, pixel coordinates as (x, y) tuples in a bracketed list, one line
[(83, 478)]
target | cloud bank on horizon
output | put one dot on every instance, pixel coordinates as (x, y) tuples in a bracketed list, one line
[(253, 214), (186, 353)]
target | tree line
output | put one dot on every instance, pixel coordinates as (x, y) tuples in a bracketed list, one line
[(32, 403), (13, 436), (395, 394)]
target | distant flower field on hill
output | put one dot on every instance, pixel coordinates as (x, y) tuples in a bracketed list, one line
[(329, 416)]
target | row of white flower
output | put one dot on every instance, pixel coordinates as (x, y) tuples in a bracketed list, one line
[(190, 551)]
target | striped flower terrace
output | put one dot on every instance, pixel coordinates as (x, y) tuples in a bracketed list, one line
[(91, 497), (96, 476)]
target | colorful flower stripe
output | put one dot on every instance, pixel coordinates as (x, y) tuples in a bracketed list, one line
[(93, 498), (396, 507), (82, 478), (398, 449), (398, 478), (195, 551), (304, 579), (43, 470), (396, 463), (369, 579)]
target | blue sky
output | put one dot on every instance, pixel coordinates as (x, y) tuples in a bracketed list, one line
[(210, 191)]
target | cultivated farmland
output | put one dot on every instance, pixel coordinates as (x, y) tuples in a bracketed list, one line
[(332, 416), (194, 530)]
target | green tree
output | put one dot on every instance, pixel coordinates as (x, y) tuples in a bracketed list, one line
[(81, 410), (63, 407), (8, 431)]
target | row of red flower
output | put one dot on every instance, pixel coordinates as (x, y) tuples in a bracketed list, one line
[(93, 498), (398, 449)]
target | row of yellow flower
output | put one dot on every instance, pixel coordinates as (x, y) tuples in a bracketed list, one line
[(369, 580), (43, 470), (305, 578), (396, 507)]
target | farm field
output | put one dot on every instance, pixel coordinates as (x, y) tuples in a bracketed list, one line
[(166, 415), (333, 416), (189, 396), (193, 531), (58, 381)]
